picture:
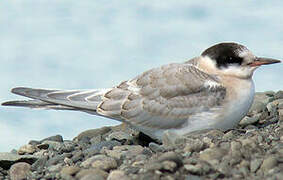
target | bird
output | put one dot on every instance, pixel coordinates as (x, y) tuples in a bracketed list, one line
[(212, 91)]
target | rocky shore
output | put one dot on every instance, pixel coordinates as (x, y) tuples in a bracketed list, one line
[(253, 150)]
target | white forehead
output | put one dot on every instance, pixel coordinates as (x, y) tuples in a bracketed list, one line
[(245, 53)]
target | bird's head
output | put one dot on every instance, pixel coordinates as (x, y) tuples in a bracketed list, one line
[(233, 59)]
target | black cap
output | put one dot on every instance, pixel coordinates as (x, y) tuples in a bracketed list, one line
[(225, 54)]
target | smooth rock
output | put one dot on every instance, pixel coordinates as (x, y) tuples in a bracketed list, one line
[(67, 146), (194, 145), (212, 153), (156, 147), (56, 138), (92, 133), (268, 163), (250, 120), (169, 138), (170, 156), (7, 159), (117, 175), (280, 112), (70, 170), (125, 150), (119, 136), (255, 164), (170, 166), (278, 95), (39, 163), (194, 169), (20, 171), (54, 168), (99, 146), (89, 173), (53, 144), (193, 177), (104, 163), (26, 149)]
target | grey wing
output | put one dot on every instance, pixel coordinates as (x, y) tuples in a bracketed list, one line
[(86, 100), (164, 97)]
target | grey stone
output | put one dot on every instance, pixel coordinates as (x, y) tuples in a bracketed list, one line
[(95, 140), (156, 147), (194, 145), (7, 159), (42, 146), (56, 138), (69, 170), (212, 153), (170, 156), (119, 136), (260, 101), (194, 169), (67, 146), (170, 166), (268, 163), (54, 168), (53, 144), (117, 175), (20, 171), (104, 163), (255, 164), (193, 177), (125, 150), (278, 95), (26, 149), (39, 163), (33, 142), (92, 133), (250, 120), (92, 177), (84, 173), (99, 146)]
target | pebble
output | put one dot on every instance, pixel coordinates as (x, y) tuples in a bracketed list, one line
[(20, 171), (156, 147), (268, 163), (119, 136), (194, 169), (26, 149), (255, 164), (91, 173), (278, 95), (194, 145), (92, 133), (117, 175), (104, 163), (53, 144), (249, 120), (212, 153), (107, 144), (56, 138), (70, 170)]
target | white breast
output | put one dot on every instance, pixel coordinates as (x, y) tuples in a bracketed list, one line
[(238, 106)]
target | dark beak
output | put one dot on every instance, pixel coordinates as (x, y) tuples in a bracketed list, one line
[(264, 61)]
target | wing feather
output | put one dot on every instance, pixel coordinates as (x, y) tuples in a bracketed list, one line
[(166, 97)]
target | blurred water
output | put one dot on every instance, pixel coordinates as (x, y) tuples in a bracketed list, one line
[(87, 44)]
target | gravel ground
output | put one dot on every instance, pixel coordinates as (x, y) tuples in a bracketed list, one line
[(253, 150)]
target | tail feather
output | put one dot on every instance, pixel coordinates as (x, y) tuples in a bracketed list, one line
[(36, 104), (59, 99)]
